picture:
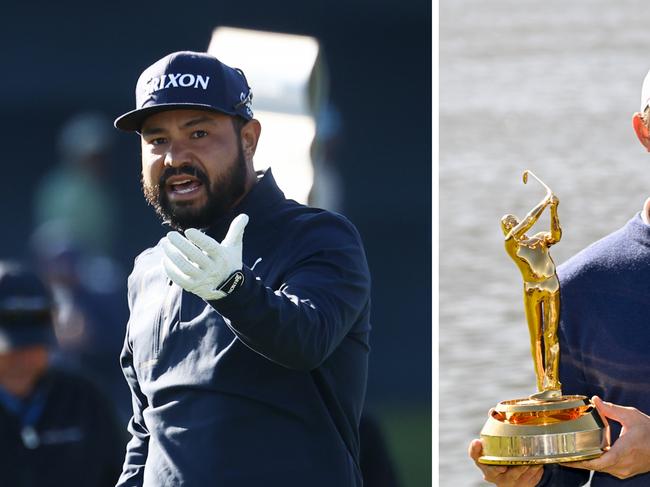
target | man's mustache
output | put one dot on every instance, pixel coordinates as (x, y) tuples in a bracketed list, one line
[(189, 170)]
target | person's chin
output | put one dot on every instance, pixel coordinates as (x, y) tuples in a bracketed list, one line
[(187, 214), (187, 209)]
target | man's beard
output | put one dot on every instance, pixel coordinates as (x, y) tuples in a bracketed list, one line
[(221, 195)]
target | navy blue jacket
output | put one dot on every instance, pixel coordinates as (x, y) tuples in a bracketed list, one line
[(265, 386), (605, 333)]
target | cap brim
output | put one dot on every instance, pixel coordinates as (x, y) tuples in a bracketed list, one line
[(11, 339), (132, 121)]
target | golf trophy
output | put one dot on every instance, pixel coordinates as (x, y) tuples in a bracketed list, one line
[(547, 426)]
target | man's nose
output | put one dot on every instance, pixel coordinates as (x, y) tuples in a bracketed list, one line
[(177, 155)]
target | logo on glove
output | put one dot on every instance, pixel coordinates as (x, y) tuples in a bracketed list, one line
[(232, 283)]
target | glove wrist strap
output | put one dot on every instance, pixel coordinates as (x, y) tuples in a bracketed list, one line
[(234, 281)]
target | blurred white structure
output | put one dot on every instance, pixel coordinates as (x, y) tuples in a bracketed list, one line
[(278, 68)]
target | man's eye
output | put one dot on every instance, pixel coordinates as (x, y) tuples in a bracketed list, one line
[(197, 134), (158, 141)]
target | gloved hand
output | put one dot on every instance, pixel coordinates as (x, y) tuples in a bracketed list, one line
[(199, 264)]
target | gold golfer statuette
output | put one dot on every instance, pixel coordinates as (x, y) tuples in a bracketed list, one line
[(547, 426)]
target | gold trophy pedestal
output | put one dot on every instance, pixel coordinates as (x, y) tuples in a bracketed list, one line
[(532, 431)]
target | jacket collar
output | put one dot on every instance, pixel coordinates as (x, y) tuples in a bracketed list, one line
[(262, 196)]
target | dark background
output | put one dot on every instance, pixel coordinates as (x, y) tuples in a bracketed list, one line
[(61, 59)]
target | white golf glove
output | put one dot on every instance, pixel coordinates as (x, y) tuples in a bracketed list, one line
[(199, 264)]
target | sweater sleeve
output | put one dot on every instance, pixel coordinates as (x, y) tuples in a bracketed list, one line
[(325, 290)]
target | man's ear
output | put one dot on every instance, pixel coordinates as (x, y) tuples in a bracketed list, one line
[(641, 130), (250, 135)]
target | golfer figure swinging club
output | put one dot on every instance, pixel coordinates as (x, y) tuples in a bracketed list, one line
[(541, 288)]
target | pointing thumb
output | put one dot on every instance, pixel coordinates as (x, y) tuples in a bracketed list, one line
[(235, 233)]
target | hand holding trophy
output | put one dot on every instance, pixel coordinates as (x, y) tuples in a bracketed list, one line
[(547, 426)]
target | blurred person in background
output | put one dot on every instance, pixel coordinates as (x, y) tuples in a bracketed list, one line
[(56, 428), (76, 214), (604, 337), (77, 193), (327, 188)]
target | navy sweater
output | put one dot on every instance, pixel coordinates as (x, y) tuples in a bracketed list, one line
[(265, 386), (605, 333)]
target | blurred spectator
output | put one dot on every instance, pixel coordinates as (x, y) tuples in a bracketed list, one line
[(91, 311), (76, 212), (327, 190), (56, 428), (77, 194)]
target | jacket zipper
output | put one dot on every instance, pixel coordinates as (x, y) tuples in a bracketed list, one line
[(156, 333), (164, 314)]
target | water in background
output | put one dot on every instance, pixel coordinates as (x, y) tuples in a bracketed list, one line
[(549, 86)]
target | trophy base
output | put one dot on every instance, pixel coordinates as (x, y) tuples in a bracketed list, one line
[(538, 431)]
